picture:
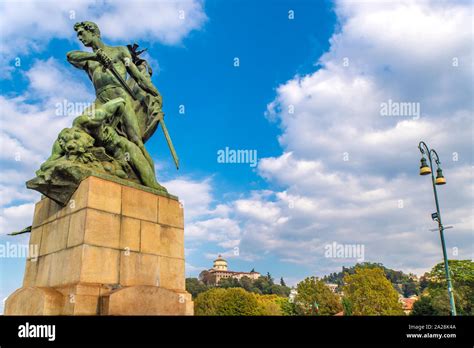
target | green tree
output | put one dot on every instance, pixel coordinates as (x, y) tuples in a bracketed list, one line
[(410, 288), (270, 279), (269, 305), (263, 285), (397, 278), (232, 301), (207, 278), (371, 293), (347, 306), (462, 271), (229, 283), (423, 307), (282, 282), (194, 286), (424, 282), (435, 299), (288, 308), (279, 290), (315, 298), (209, 302), (247, 284)]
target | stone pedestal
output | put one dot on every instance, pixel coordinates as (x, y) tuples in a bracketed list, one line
[(115, 249)]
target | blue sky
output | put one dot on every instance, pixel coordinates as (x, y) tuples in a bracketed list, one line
[(332, 169)]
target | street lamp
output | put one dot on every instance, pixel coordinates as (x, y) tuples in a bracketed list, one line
[(440, 180)]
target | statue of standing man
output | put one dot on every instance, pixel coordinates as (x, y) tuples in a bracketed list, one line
[(105, 83), (125, 113)]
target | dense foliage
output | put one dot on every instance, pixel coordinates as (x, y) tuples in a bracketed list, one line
[(234, 301), (369, 292), (315, 298), (402, 282), (264, 285), (194, 286), (237, 301), (434, 298), (365, 289)]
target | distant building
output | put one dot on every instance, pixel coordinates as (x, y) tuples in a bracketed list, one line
[(407, 303), (331, 286), (220, 271), (292, 295)]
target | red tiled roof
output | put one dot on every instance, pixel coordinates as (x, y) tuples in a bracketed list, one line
[(408, 303), (233, 272)]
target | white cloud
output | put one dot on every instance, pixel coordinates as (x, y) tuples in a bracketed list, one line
[(402, 51), (194, 195), (23, 148), (28, 26), (21, 120), (350, 173), (259, 210), (165, 21), (53, 83), (224, 231), (15, 218), (203, 223)]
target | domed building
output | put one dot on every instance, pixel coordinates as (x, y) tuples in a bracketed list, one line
[(220, 264), (220, 271)]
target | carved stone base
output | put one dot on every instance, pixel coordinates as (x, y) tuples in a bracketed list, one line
[(112, 250)]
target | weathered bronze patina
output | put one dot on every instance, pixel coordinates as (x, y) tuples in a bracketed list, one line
[(108, 137)]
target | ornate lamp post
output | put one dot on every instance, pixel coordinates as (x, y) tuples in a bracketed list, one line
[(440, 180)]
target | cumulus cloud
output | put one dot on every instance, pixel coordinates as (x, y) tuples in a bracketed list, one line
[(350, 172), (45, 105), (401, 51), (194, 195), (224, 231), (28, 26), (165, 21), (206, 221), (21, 119), (15, 218)]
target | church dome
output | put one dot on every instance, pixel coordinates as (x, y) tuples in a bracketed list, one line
[(220, 264)]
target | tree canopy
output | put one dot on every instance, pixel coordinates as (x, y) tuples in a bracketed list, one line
[(233, 301), (371, 293), (264, 285), (194, 286), (315, 298), (435, 299), (401, 281)]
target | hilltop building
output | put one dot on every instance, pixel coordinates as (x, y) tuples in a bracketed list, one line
[(220, 271)]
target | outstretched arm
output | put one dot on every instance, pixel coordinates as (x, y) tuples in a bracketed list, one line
[(143, 81), (79, 58)]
